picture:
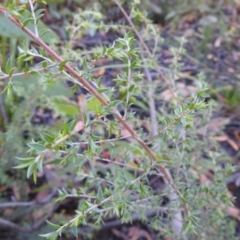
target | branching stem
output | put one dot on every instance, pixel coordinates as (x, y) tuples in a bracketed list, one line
[(94, 92)]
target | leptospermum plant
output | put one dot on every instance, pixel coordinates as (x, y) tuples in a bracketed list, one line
[(119, 185)]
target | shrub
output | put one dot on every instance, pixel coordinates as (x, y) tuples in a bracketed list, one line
[(98, 150)]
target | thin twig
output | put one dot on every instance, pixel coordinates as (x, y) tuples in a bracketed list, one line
[(117, 223), (80, 196), (96, 178), (16, 204), (6, 76), (153, 114), (177, 220), (32, 205), (119, 234), (34, 18), (103, 159), (128, 84), (175, 120), (101, 141), (47, 199), (6, 223)]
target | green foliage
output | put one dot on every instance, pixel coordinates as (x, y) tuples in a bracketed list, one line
[(8, 29), (123, 188), (231, 97)]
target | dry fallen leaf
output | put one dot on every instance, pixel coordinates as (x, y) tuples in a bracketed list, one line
[(79, 126), (237, 136), (214, 126), (41, 195), (189, 17), (232, 211), (81, 102), (233, 144), (181, 89), (218, 42), (16, 191), (8, 212), (125, 132), (231, 70), (3, 188), (135, 233), (119, 234), (99, 73), (224, 138), (39, 214)]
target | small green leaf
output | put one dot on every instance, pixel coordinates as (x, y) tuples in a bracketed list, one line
[(104, 50), (78, 221), (16, 14), (191, 106), (75, 231), (52, 225), (114, 103), (44, 64), (40, 165), (133, 64), (25, 159), (26, 68), (5, 89), (116, 210), (91, 146), (183, 121), (34, 175), (47, 137), (110, 50), (10, 73), (122, 41), (30, 58), (97, 122), (100, 193), (9, 91), (62, 64), (39, 17), (97, 210), (24, 165), (64, 106), (88, 204), (43, 2), (102, 90), (25, 23), (93, 104), (131, 88), (50, 236), (84, 64), (177, 111), (131, 41), (72, 125), (36, 146), (32, 167), (9, 65)]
